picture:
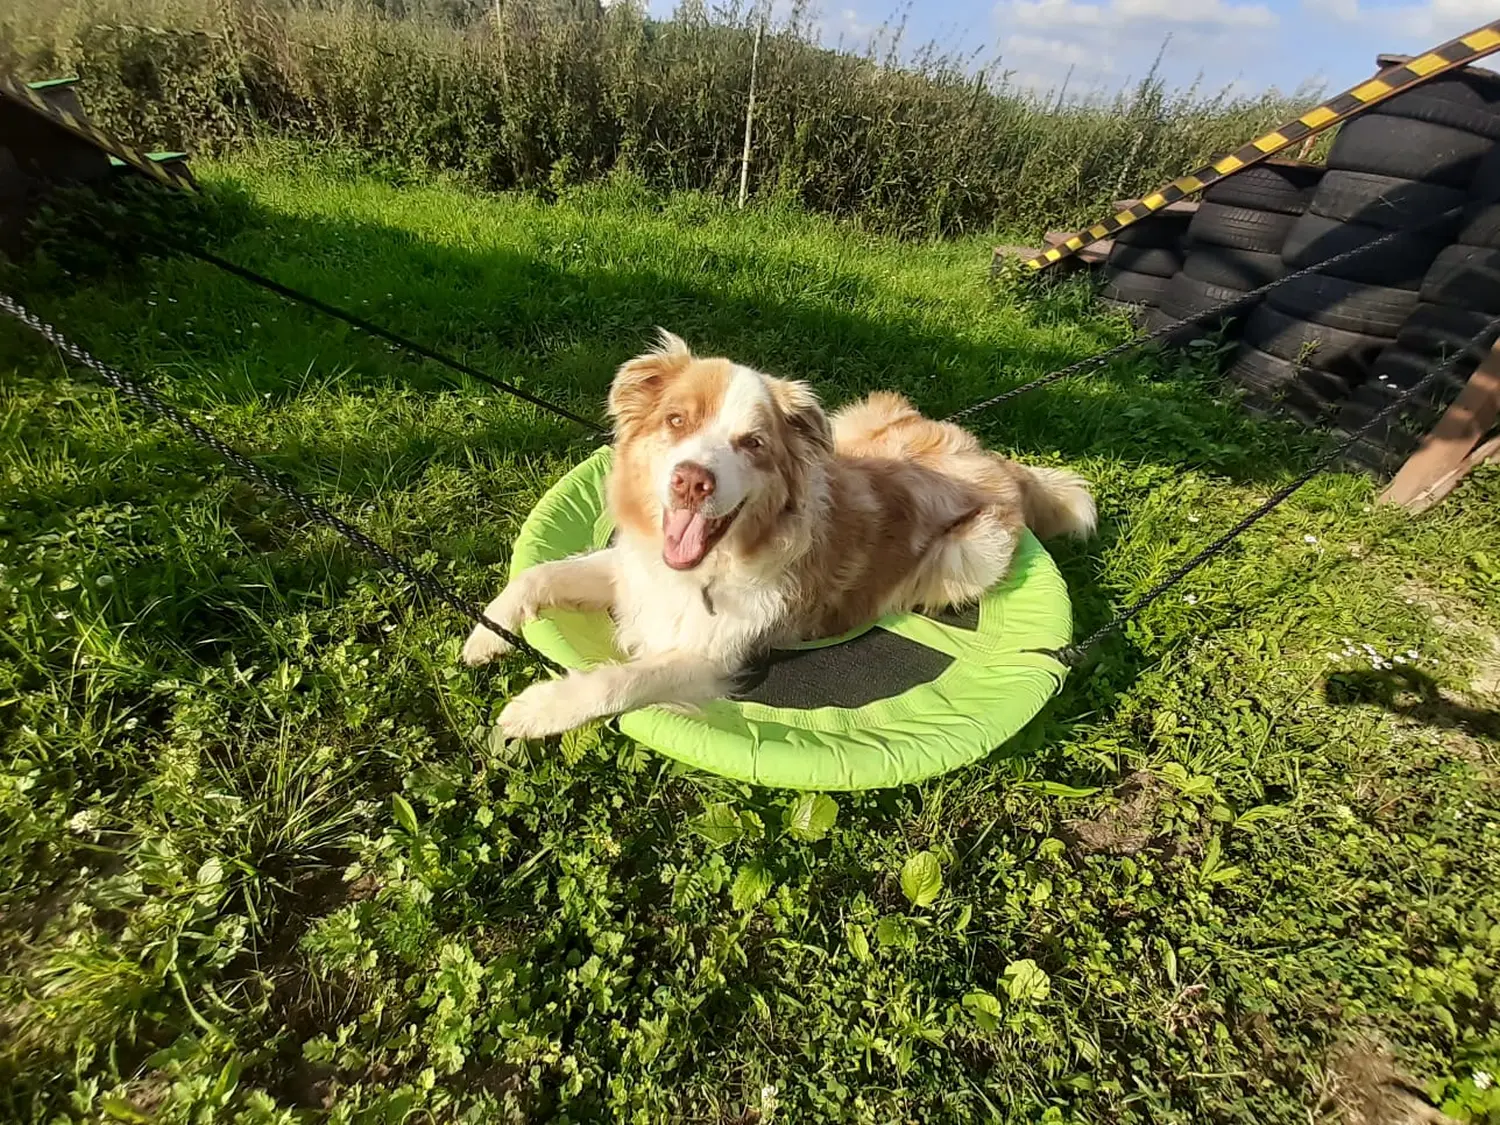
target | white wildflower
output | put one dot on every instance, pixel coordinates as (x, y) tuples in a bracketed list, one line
[(84, 821), (1483, 1080), (1191, 599), (1192, 519), (1309, 539), (767, 1101)]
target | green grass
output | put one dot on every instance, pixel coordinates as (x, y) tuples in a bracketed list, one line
[(259, 861)]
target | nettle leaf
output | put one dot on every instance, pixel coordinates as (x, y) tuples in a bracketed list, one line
[(1025, 982), (811, 817), (921, 879), (718, 824), (751, 885), (984, 1008), (859, 945), (406, 816)]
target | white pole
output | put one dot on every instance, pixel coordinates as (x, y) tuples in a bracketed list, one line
[(750, 116)]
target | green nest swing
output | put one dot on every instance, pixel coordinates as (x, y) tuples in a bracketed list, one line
[(901, 700)]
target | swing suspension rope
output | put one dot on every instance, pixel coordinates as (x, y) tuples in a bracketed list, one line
[(1071, 655), (259, 476)]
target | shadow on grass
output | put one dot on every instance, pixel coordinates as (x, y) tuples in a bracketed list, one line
[(1410, 694)]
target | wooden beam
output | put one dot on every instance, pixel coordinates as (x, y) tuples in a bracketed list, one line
[(1449, 448), (1489, 451)]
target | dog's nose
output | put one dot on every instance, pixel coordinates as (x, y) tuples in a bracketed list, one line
[(692, 483)]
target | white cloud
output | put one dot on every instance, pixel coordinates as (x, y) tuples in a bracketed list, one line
[(1426, 24), (1127, 14), (1109, 44)]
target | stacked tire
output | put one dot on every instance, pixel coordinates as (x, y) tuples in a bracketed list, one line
[(1142, 261), (1316, 341), (1458, 298), (1235, 240)]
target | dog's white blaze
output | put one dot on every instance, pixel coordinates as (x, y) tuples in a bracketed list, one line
[(746, 402)]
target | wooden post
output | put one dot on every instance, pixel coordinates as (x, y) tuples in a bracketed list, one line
[(750, 115), (1448, 453)]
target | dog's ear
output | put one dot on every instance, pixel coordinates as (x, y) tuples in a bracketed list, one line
[(803, 412), (639, 382)]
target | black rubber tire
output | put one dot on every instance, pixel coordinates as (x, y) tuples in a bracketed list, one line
[(1469, 87), (1158, 261), (1284, 188), (1385, 446), (1339, 303), (1399, 264), (1265, 375), (1398, 368), (1347, 354), (1421, 105), (1272, 377), (1233, 268), (1132, 288), (1185, 296), (1440, 331), (1408, 148), (1482, 227), (1465, 277), (1219, 224), (1387, 202), (1157, 230)]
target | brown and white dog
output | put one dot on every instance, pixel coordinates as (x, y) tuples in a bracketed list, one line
[(747, 519)]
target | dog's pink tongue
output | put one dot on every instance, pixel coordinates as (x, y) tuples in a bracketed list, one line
[(685, 538)]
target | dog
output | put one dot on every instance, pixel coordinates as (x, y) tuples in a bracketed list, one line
[(746, 518)]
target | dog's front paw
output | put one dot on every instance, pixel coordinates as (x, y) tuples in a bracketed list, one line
[(547, 708), (484, 645), (515, 606)]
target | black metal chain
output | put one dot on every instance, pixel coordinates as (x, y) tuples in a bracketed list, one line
[(257, 475), (386, 334), (1220, 309), (1073, 654)]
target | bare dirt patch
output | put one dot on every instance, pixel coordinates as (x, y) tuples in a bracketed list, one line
[(1364, 1086), (1125, 827)]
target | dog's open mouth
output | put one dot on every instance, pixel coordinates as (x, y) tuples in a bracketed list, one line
[(688, 535)]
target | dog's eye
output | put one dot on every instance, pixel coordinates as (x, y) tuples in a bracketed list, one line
[(675, 421), (750, 443)]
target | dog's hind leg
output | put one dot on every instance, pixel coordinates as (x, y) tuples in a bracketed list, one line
[(585, 582), (610, 689)]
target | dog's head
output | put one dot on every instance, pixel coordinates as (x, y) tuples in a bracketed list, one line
[(708, 451)]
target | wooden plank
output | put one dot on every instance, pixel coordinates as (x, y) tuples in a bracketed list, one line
[(1447, 448), (1093, 255), (1489, 451)]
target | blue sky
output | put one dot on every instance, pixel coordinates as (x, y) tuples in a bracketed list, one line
[(1249, 45)]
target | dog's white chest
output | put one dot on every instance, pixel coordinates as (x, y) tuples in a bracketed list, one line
[(659, 610)]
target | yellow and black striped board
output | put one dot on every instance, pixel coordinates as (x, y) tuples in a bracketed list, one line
[(1455, 53), (21, 94)]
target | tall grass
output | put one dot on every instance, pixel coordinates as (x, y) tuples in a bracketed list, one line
[(539, 94)]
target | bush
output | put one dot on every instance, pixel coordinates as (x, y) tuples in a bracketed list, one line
[(552, 94)]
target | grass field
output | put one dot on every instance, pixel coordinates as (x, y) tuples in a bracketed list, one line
[(260, 861)]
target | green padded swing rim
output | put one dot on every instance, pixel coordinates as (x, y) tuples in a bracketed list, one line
[(996, 683)]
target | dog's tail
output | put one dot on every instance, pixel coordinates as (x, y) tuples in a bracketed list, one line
[(1057, 502)]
